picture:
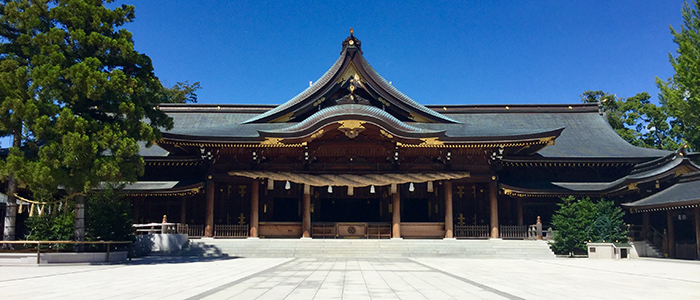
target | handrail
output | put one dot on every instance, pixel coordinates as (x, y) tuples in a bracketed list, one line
[(38, 247)]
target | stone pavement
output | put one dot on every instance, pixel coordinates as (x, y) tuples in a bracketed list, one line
[(353, 278)]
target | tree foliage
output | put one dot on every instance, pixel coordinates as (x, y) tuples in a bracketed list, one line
[(95, 96), (636, 119), (182, 92), (578, 221), (50, 227), (79, 95), (680, 94), (107, 217)]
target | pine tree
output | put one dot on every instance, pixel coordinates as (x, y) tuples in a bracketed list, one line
[(97, 96)]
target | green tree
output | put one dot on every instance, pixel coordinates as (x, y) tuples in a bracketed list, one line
[(182, 92), (108, 218), (636, 119), (572, 222), (680, 95), (608, 224), (578, 221), (18, 104), (51, 227), (101, 95)]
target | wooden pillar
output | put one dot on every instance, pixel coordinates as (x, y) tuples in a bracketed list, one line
[(697, 231), (254, 207), (209, 213), (645, 225), (396, 215), (671, 237), (306, 217), (449, 223), (519, 204), (183, 210), (493, 193)]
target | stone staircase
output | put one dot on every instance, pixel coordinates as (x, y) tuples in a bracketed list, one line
[(647, 249), (356, 248)]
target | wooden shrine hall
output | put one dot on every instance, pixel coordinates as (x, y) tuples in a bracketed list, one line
[(351, 156)]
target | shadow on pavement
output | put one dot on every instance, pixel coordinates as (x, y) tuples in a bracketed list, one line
[(193, 252)]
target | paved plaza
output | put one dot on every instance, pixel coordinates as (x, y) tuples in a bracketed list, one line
[(340, 278)]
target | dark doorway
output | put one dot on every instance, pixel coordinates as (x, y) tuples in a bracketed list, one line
[(286, 210), (349, 210), (415, 210)]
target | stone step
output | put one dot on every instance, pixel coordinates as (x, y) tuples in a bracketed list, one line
[(368, 248)]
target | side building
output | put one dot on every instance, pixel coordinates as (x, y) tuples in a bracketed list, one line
[(351, 156)]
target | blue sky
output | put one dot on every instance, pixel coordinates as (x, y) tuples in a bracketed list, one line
[(437, 52)]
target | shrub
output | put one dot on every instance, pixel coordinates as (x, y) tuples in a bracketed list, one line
[(580, 220)]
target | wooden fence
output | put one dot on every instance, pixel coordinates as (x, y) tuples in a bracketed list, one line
[(192, 230), (229, 231), (107, 244), (472, 231), (513, 231), (378, 231)]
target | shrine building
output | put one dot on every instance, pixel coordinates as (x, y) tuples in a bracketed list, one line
[(353, 157)]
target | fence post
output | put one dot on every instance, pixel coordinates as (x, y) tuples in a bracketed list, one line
[(108, 248), (38, 253), (539, 228)]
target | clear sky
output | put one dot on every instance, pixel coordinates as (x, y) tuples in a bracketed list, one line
[(437, 52)]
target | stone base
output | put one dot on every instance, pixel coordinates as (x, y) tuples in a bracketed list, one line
[(66, 258), (396, 239), (449, 239), (253, 238)]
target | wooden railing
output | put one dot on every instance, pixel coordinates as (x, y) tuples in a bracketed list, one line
[(106, 244), (472, 231), (192, 230), (653, 236), (323, 230), (513, 231), (231, 230), (533, 231), (156, 228), (378, 231)]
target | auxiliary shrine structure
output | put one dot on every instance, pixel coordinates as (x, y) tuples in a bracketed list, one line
[(351, 156)]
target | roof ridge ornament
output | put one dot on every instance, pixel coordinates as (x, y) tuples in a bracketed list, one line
[(352, 42)]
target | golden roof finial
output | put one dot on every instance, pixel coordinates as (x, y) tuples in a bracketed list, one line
[(351, 31)]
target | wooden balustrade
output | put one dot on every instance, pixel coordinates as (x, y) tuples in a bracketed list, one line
[(513, 231), (192, 230), (107, 244), (156, 228), (230, 231), (378, 231), (472, 231), (323, 230)]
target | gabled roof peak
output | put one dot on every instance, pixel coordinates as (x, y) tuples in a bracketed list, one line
[(351, 42), (351, 80)]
